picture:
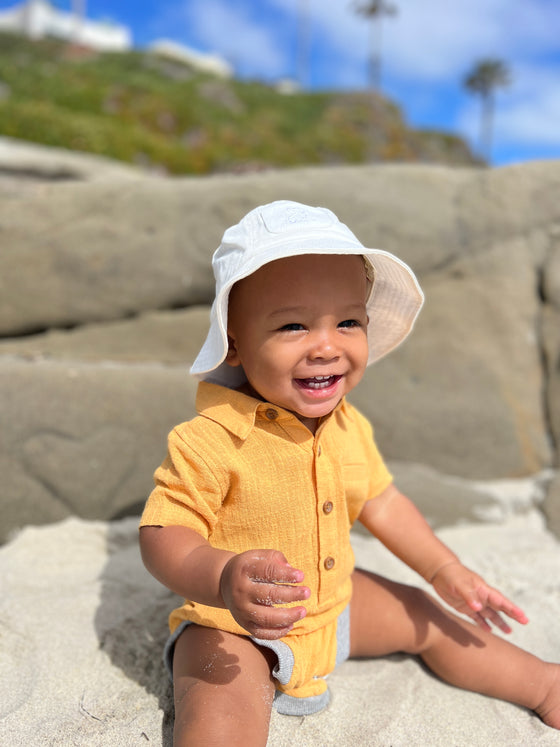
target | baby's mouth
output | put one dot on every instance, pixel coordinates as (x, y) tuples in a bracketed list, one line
[(318, 382)]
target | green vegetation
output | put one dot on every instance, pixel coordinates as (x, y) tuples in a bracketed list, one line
[(160, 114)]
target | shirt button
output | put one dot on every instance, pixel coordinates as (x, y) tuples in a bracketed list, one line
[(329, 563), (327, 507), (319, 451), (271, 414)]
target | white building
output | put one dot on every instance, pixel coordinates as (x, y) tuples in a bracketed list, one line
[(38, 18), (206, 63)]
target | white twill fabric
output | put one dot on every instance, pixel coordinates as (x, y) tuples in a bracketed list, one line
[(284, 229)]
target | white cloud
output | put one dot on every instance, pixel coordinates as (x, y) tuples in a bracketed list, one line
[(229, 30), (432, 40), (438, 39), (533, 114), (250, 43)]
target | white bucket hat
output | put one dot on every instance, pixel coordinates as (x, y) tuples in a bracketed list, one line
[(284, 229)]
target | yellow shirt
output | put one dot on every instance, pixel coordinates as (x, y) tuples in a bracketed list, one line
[(246, 474)]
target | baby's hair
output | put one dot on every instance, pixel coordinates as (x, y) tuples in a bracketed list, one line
[(370, 275)]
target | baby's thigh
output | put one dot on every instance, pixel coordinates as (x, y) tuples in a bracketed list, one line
[(387, 617), (223, 688)]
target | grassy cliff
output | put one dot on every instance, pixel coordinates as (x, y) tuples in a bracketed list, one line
[(163, 115)]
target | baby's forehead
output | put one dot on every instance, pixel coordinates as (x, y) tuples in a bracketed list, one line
[(304, 275), (306, 264)]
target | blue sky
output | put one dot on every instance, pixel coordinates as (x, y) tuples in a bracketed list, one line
[(428, 47)]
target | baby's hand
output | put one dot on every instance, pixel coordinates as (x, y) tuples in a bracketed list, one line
[(253, 582), (469, 594)]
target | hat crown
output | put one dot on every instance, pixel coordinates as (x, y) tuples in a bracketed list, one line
[(245, 245)]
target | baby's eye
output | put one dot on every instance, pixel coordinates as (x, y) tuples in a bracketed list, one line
[(292, 327), (350, 323)]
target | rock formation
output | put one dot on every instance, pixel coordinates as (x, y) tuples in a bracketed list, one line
[(105, 282)]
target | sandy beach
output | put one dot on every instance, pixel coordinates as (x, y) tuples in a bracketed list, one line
[(83, 624)]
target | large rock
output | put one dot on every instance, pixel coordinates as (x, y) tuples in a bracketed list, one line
[(99, 251), (163, 337), (466, 390), (24, 163), (448, 500), (83, 439), (474, 393), (551, 269), (551, 343), (551, 339)]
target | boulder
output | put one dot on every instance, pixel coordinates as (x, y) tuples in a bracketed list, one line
[(105, 250), (551, 270), (551, 344), (163, 337), (115, 272), (448, 500), (551, 505), (27, 163), (83, 439), (98, 252), (464, 394)]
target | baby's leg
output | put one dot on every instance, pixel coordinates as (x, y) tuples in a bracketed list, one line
[(223, 689), (387, 617)]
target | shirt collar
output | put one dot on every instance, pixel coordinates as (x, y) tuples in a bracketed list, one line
[(236, 411)]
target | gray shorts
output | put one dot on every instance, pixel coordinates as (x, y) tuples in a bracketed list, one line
[(283, 703)]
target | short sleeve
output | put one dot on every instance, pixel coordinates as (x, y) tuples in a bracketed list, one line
[(188, 491), (365, 473)]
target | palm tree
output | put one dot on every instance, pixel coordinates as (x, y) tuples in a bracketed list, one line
[(486, 76), (303, 43), (374, 10)]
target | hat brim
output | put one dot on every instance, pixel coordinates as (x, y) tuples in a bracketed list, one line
[(392, 307)]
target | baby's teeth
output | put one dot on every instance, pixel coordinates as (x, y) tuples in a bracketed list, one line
[(319, 382)]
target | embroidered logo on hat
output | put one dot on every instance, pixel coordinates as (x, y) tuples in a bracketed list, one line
[(294, 217)]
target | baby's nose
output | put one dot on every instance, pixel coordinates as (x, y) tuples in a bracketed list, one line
[(324, 345)]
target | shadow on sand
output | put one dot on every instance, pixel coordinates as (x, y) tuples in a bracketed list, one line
[(131, 620)]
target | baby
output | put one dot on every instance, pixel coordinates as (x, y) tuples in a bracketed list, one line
[(251, 515)]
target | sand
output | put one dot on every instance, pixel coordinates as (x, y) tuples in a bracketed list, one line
[(82, 625)]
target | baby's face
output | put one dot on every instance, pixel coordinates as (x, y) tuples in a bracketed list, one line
[(298, 326)]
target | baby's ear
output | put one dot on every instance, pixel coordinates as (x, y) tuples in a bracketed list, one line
[(232, 356)]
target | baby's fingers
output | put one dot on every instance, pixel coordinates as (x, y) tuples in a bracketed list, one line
[(501, 604), (271, 566), (271, 623), (488, 603), (483, 619), (272, 594)]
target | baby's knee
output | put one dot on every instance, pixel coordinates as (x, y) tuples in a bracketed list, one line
[(223, 689), (429, 618)]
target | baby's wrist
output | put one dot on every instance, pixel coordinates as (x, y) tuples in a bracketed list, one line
[(224, 580), (431, 576), (206, 570)]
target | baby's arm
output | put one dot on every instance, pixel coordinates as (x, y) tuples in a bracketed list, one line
[(248, 584), (396, 521)]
